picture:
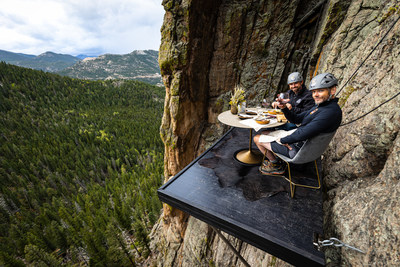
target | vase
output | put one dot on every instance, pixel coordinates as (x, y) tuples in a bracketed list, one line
[(242, 107), (234, 109)]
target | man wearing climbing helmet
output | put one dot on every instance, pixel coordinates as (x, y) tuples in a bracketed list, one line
[(299, 98), (324, 117), (323, 87)]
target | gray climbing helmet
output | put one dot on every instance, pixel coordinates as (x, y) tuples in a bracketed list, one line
[(323, 80), (294, 78)]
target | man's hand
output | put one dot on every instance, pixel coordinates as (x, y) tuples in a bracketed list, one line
[(286, 145), (282, 105)]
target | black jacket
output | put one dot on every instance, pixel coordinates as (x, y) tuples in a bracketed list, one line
[(323, 118), (303, 101)]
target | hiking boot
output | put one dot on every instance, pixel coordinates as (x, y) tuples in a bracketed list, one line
[(265, 163), (278, 168)]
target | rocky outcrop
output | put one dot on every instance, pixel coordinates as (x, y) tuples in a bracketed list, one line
[(362, 206), (209, 47)]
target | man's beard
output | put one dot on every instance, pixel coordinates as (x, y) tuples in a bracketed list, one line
[(296, 90), (321, 100)]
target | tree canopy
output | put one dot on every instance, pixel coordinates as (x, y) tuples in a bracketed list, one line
[(80, 162)]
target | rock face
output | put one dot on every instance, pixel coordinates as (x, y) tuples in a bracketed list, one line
[(210, 46)]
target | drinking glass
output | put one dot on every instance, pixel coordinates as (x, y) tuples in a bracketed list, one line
[(265, 104), (259, 110), (283, 98)]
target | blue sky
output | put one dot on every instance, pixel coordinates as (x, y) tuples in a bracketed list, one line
[(90, 27)]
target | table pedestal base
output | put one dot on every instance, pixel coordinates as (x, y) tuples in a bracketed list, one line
[(248, 157)]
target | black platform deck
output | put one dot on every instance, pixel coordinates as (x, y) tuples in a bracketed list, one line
[(255, 208)]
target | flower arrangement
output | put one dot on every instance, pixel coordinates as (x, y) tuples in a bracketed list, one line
[(237, 96)]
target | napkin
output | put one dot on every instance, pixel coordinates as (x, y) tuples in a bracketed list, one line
[(256, 126), (274, 135)]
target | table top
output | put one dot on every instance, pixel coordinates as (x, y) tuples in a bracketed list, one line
[(230, 119)]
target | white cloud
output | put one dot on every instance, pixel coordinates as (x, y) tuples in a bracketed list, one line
[(80, 27)]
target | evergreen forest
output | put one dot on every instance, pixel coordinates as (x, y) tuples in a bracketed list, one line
[(80, 162)]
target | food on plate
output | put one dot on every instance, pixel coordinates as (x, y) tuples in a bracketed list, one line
[(281, 118), (262, 121), (266, 114), (275, 111), (250, 112)]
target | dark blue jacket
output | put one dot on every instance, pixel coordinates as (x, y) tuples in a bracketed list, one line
[(303, 101), (323, 118)]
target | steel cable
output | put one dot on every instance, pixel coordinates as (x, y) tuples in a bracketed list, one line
[(354, 73), (362, 63)]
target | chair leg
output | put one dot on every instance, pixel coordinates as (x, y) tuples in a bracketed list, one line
[(265, 154), (293, 184), (316, 169)]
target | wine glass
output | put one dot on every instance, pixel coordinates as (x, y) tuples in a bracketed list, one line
[(282, 99), (258, 109), (265, 104)]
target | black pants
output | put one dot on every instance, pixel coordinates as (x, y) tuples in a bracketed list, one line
[(283, 150)]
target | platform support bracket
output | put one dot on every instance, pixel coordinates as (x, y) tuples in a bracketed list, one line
[(230, 246)]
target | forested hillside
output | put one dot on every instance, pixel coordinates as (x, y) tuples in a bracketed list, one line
[(79, 165)]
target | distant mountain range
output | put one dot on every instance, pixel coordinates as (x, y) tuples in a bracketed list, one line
[(48, 61), (139, 65)]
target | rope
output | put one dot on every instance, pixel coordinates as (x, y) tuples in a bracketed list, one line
[(362, 63), (371, 110)]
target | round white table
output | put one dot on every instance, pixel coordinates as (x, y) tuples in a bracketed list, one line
[(246, 156)]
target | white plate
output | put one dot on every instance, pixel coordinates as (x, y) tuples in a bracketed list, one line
[(244, 116)]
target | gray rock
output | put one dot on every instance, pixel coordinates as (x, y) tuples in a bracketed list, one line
[(255, 44)]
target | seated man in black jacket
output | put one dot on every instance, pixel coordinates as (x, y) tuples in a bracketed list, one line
[(299, 98), (324, 117)]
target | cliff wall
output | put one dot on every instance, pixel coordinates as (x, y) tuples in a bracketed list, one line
[(210, 46)]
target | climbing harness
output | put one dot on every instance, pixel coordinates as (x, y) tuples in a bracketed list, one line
[(336, 243)]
